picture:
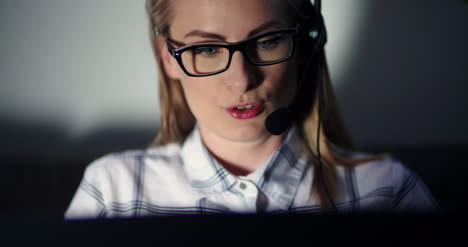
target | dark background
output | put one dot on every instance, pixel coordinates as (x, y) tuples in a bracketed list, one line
[(407, 91), (404, 93)]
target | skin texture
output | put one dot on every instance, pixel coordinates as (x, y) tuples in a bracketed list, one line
[(240, 146)]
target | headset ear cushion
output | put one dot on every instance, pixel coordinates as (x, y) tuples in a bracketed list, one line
[(313, 35)]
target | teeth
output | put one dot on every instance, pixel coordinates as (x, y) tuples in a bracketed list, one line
[(244, 107)]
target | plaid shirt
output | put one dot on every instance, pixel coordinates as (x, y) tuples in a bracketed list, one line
[(181, 179)]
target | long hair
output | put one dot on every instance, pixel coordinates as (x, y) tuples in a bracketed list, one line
[(177, 121)]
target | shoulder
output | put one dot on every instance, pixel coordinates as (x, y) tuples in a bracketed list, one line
[(122, 166), (387, 168), (375, 170), (390, 177), (387, 171), (112, 182), (169, 153)]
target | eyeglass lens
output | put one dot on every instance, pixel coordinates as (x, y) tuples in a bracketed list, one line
[(261, 51)]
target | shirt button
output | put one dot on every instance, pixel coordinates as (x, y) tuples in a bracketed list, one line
[(242, 185)]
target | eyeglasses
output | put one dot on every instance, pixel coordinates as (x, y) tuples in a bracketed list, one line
[(213, 58)]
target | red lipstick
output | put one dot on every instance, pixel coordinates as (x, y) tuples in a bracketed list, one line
[(246, 111)]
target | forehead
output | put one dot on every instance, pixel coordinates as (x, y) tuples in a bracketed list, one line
[(226, 17)]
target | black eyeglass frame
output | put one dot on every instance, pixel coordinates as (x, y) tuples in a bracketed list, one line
[(232, 47)]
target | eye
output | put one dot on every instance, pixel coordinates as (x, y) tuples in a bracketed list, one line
[(206, 51), (269, 42)]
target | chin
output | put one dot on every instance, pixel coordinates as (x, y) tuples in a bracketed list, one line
[(236, 130), (246, 133)]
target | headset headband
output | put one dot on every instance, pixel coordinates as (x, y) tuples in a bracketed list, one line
[(318, 5)]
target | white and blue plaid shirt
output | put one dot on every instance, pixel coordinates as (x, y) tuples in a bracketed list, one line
[(181, 179)]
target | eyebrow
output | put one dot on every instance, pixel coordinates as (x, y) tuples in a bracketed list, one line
[(259, 29)]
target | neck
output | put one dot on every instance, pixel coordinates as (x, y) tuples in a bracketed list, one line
[(241, 158)]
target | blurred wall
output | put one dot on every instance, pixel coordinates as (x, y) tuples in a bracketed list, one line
[(78, 77), (78, 64)]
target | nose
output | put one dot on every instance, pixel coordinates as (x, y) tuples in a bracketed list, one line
[(241, 74)]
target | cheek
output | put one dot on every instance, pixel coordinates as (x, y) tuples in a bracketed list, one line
[(283, 83), (200, 97)]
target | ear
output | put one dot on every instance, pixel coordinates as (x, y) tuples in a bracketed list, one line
[(169, 62)]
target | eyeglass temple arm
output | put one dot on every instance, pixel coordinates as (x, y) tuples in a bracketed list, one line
[(171, 49)]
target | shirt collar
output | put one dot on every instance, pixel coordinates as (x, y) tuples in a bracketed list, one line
[(205, 174), (278, 178)]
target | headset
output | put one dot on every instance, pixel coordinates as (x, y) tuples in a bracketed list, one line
[(312, 30)]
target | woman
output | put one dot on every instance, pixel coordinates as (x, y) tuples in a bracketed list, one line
[(231, 75)]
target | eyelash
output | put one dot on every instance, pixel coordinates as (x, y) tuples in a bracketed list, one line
[(274, 40), (203, 49)]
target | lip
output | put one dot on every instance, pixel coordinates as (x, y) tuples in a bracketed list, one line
[(256, 110)]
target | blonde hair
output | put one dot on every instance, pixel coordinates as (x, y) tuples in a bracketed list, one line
[(177, 121)]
